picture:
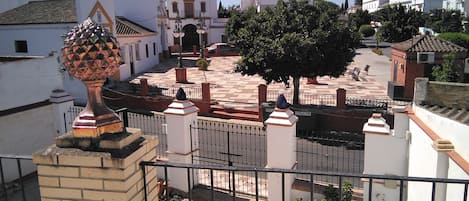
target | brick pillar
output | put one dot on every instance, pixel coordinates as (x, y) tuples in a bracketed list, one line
[(179, 116), (262, 98), (62, 102), (73, 174), (218, 51), (206, 92), (181, 75), (379, 140), (281, 146), (206, 52), (144, 86), (340, 98)]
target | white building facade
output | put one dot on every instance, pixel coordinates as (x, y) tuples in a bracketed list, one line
[(37, 28), (192, 13)]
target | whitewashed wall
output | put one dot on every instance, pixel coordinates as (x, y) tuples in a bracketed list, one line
[(144, 12), (422, 163), (446, 128), (28, 81), (370, 6), (26, 132), (75, 88), (145, 63), (41, 38), (210, 7), (455, 191), (83, 9)]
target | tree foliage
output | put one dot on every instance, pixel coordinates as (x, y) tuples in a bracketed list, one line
[(398, 22), (461, 39), (441, 20), (449, 70), (226, 12), (366, 30), (294, 39), (358, 19)]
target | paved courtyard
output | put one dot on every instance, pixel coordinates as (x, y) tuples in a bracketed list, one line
[(231, 88)]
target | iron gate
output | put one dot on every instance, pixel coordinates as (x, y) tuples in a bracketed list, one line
[(228, 144)]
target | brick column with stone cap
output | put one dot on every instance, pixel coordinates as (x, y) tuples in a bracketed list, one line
[(281, 147), (385, 154), (99, 159), (181, 113)]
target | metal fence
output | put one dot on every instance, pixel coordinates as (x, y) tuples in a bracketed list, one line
[(229, 144), (15, 183), (191, 93), (369, 180), (305, 98), (330, 151), (151, 123)]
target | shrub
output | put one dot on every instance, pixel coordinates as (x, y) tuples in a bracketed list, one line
[(202, 64), (461, 39), (366, 30), (377, 51)]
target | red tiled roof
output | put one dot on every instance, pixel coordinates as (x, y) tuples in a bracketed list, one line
[(428, 43)]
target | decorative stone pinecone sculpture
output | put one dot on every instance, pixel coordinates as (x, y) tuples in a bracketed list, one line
[(90, 52)]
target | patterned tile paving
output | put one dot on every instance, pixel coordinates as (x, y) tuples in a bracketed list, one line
[(232, 88)]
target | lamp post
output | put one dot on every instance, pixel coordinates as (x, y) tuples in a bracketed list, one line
[(181, 75), (179, 33), (201, 31)]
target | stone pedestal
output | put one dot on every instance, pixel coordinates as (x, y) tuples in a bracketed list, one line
[(74, 174), (281, 146), (181, 75)]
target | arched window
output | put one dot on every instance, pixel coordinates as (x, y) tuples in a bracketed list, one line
[(175, 7)]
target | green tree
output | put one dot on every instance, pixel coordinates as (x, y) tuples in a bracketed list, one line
[(366, 30), (359, 18), (461, 39), (442, 20), (294, 39), (346, 5), (449, 70), (398, 22)]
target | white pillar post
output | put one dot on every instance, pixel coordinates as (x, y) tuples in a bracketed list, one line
[(62, 102), (442, 146), (281, 147), (179, 116), (401, 121), (385, 154)]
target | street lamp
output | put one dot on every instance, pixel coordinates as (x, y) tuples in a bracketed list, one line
[(179, 33), (201, 31)]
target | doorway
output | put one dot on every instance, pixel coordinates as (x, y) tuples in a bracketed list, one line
[(191, 37)]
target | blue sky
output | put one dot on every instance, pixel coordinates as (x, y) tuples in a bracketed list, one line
[(236, 2)]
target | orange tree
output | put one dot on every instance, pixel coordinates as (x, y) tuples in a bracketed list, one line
[(294, 39)]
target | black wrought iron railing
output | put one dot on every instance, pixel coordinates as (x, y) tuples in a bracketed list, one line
[(367, 178), (15, 181)]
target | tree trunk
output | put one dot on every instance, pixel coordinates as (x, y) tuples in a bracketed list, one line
[(296, 90)]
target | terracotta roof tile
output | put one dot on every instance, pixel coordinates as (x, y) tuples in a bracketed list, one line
[(428, 43), (41, 12)]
